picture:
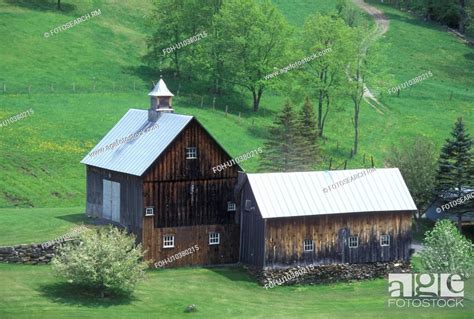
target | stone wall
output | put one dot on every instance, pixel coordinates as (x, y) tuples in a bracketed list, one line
[(328, 273), (27, 254)]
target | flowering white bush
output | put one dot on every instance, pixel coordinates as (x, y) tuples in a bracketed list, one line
[(105, 259), (447, 251)]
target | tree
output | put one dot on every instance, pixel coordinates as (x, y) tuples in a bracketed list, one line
[(455, 167), (252, 41), (325, 75), (105, 260), (308, 131), (175, 21), (447, 251), (59, 4), (283, 150), (417, 163), (357, 71)]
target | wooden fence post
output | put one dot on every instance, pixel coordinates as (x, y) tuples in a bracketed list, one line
[(372, 159), (202, 101), (214, 102), (226, 109)]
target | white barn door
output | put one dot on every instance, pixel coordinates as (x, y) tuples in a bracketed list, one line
[(111, 200), (116, 202)]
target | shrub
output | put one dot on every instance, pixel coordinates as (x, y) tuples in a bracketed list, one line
[(105, 260), (447, 251)]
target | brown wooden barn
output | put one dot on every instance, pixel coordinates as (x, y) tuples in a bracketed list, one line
[(152, 173), (350, 216)]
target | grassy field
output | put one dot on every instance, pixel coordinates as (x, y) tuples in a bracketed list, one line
[(217, 293), (43, 224)]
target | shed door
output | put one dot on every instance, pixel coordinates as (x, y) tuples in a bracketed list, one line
[(111, 200)]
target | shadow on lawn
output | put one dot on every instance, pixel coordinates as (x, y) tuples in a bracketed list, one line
[(234, 273), (69, 294)]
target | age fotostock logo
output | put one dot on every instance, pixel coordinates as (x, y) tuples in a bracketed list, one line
[(425, 290)]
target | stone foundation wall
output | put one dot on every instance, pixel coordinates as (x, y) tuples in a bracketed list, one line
[(27, 254), (315, 274)]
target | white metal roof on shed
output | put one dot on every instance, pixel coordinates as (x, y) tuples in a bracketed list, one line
[(310, 193), (135, 156)]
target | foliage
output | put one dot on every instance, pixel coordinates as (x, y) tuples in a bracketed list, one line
[(106, 260), (417, 163), (447, 251), (455, 161), (325, 75), (283, 150), (308, 131), (253, 40)]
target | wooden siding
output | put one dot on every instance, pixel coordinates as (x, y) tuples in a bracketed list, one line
[(252, 245), (330, 233), (187, 237), (131, 197), (189, 214), (167, 184), (172, 165)]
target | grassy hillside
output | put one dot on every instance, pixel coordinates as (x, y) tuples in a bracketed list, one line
[(39, 155)]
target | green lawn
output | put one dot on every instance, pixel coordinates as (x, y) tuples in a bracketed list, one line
[(217, 293), (37, 225)]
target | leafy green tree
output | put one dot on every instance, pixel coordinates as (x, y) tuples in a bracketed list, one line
[(175, 21), (283, 150), (447, 251), (253, 39), (455, 167), (325, 76), (308, 131), (417, 163), (105, 260)]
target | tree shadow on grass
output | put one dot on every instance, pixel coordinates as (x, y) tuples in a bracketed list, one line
[(74, 218), (70, 294), (43, 5), (234, 273)]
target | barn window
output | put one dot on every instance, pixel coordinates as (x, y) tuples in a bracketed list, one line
[(308, 245), (149, 211), (168, 241), (353, 241), (191, 152), (248, 204), (214, 238), (385, 240), (230, 206)]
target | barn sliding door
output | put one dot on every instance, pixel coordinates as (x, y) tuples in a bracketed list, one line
[(111, 201)]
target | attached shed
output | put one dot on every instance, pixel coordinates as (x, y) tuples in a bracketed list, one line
[(299, 218)]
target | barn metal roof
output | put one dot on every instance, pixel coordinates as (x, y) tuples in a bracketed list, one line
[(312, 193), (135, 156)]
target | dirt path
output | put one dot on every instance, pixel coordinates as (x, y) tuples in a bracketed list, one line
[(382, 24)]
